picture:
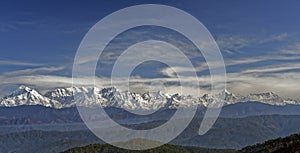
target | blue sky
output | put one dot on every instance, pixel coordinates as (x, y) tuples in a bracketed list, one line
[(259, 40)]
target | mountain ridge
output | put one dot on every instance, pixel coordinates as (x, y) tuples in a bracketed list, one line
[(112, 97)]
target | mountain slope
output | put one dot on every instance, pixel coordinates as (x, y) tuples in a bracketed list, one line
[(226, 133), (26, 115)]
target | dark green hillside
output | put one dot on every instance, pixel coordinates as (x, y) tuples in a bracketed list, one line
[(290, 144), (98, 148)]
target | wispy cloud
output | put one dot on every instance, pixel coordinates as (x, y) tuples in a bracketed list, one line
[(292, 50), (12, 25), (34, 71), (275, 37), (18, 63), (234, 44), (285, 84), (280, 37), (273, 68), (231, 44)]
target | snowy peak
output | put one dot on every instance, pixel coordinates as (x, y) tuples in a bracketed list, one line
[(133, 101), (228, 97), (27, 96), (269, 98), (66, 95), (22, 90), (267, 95)]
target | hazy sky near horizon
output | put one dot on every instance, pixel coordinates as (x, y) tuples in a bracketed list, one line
[(259, 40)]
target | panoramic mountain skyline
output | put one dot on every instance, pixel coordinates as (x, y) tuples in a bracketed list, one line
[(260, 44), (193, 76)]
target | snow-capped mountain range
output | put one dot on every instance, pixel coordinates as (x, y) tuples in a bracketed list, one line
[(111, 97)]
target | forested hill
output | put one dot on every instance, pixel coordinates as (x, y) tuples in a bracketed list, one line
[(290, 144), (98, 148)]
